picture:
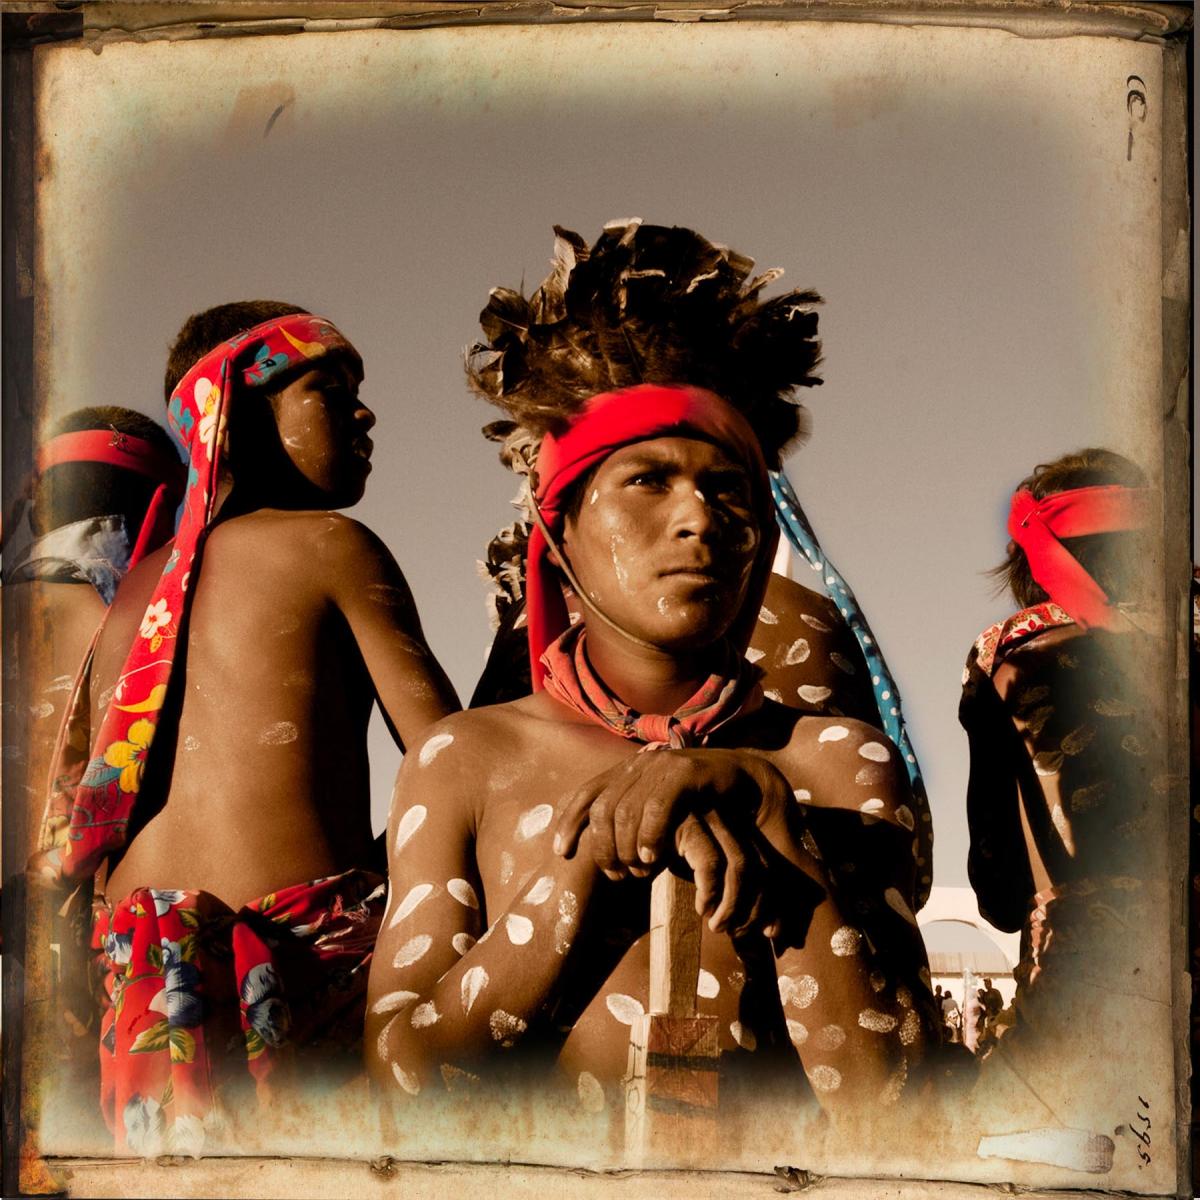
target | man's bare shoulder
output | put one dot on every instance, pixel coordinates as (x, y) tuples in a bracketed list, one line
[(308, 532)]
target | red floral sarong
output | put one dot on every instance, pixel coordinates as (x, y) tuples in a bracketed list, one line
[(209, 1009)]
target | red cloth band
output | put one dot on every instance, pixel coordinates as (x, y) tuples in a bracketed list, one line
[(606, 423), (117, 450), (1037, 525)]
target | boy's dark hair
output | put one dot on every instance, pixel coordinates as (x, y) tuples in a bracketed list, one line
[(647, 304), (204, 331), (1107, 557), (70, 492)]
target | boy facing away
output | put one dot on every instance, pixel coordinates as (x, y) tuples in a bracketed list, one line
[(229, 695)]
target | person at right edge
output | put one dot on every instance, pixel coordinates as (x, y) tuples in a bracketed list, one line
[(1066, 791)]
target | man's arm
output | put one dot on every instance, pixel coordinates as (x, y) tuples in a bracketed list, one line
[(445, 995), (375, 598)]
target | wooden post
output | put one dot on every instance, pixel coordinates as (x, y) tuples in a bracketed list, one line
[(671, 1085)]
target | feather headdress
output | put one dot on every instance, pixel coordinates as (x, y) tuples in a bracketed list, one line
[(645, 304)]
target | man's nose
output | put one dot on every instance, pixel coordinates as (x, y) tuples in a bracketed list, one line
[(364, 416), (693, 515)]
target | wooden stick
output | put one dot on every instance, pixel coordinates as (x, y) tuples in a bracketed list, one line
[(671, 1085)]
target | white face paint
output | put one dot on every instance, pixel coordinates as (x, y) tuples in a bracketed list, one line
[(595, 496), (433, 747)]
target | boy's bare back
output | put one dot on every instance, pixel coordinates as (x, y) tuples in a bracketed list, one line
[(298, 619)]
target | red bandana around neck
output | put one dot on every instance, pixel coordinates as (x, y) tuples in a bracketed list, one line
[(608, 422), (728, 693), (104, 800), (128, 453), (1037, 525)]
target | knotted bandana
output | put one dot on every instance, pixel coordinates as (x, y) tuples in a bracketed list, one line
[(730, 692), (1037, 525), (608, 422), (87, 822)]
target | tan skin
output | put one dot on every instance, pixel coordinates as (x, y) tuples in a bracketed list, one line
[(300, 621), (666, 549)]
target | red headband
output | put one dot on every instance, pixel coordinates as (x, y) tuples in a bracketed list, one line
[(1037, 525), (606, 423), (128, 453)]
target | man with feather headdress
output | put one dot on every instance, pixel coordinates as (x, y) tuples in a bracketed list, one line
[(648, 386)]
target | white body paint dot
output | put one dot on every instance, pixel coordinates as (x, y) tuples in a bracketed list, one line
[(743, 1036), (463, 892), (434, 747), (825, 1079), (473, 982), (802, 794), (845, 941), (408, 825), (873, 805), (412, 951), (534, 821), (767, 617), (505, 1027), (797, 1033), (591, 1092), (707, 986), (799, 992), (797, 653), (754, 654), (393, 1002), (624, 1008), (834, 733), (406, 1079), (540, 892), (279, 734), (875, 1021), (424, 1014), (410, 902), (829, 1037), (462, 942), (518, 928), (810, 693), (875, 751)]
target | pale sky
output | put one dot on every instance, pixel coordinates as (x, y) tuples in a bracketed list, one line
[(985, 247)]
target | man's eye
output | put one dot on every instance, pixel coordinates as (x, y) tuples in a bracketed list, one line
[(645, 479)]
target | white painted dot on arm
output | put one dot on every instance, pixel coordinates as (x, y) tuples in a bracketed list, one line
[(829, 1037), (910, 1027), (767, 617), (519, 928), (812, 693), (406, 907), (796, 653), (595, 496), (506, 1027), (473, 982), (845, 941), (833, 733), (707, 985), (772, 694), (433, 747), (797, 1033), (802, 794), (625, 1009), (540, 892), (412, 951), (406, 1079), (875, 751), (825, 1078), (875, 1021), (424, 1015), (462, 942), (393, 1002), (754, 654), (591, 1092), (743, 1035), (463, 892), (408, 824), (874, 805)]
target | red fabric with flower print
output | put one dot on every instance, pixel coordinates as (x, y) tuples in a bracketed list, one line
[(996, 639), (91, 805), (208, 1009)]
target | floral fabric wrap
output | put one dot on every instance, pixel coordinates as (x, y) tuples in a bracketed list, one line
[(93, 798), (208, 1009)]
